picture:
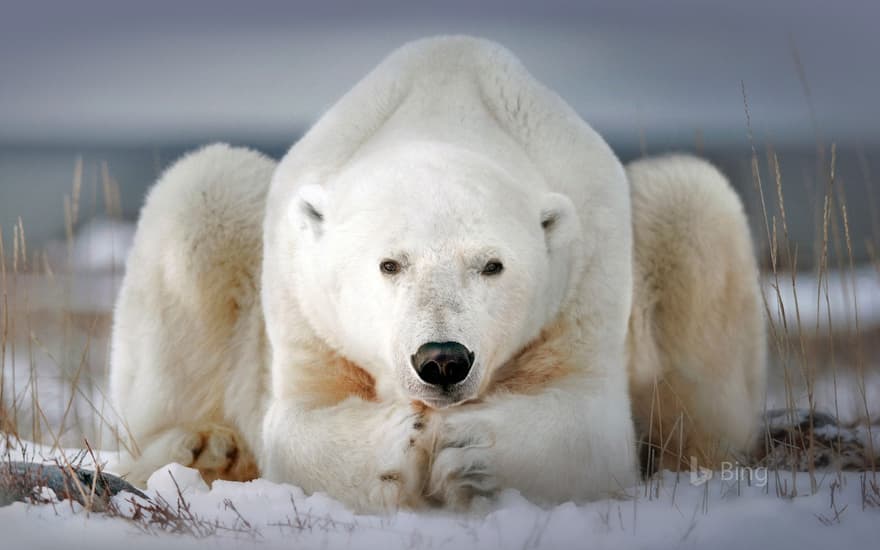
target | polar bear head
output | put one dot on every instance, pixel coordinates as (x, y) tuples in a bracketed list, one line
[(430, 266)]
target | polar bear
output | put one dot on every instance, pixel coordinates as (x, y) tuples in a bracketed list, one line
[(436, 295)]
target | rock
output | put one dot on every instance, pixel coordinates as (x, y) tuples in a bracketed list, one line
[(22, 481)]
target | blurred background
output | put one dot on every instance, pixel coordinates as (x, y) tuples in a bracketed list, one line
[(97, 97)]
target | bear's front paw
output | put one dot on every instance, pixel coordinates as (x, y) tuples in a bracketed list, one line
[(462, 473), (218, 452), (404, 446)]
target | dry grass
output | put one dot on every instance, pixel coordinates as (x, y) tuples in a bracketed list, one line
[(160, 516), (806, 355), (53, 342)]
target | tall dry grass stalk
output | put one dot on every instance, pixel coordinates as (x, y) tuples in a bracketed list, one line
[(66, 350), (795, 344), (789, 334), (6, 424)]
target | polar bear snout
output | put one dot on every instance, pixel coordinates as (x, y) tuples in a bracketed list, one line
[(442, 363)]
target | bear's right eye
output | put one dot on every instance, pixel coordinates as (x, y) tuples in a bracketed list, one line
[(493, 268), (389, 267)]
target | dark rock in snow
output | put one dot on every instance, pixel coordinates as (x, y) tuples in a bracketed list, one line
[(21, 482)]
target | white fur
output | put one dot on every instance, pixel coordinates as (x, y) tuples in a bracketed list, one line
[(697, 335), (242, 298)]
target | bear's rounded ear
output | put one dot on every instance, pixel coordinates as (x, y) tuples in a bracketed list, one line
[(558, 220), (308, 207)]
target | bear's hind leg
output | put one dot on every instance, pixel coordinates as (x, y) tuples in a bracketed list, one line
[(697, 340)]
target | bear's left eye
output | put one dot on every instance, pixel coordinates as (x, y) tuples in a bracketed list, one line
[(389, 267), (492, 268)]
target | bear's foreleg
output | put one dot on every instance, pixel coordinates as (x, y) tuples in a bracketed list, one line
[(573, 440), (371, 456)]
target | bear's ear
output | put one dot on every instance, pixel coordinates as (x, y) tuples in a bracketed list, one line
[(308, 207), (558, 220)]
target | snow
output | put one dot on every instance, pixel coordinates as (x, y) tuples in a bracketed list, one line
[(101, 244), (838, 298), (670, 512)]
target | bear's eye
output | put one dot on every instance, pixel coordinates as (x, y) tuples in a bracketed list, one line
[(492, 268), (389, 267)]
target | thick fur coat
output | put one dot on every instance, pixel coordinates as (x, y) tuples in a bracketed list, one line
[(270, 316)]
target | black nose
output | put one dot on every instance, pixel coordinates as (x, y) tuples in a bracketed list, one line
[(443, 364)]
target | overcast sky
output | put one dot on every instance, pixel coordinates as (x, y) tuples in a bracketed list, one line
[(106, 71)]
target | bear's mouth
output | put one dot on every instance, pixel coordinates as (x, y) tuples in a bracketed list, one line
[(442, 403), (443, 397), (439, 403)]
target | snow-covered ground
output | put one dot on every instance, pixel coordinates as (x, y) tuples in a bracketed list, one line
[(669, 513)]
